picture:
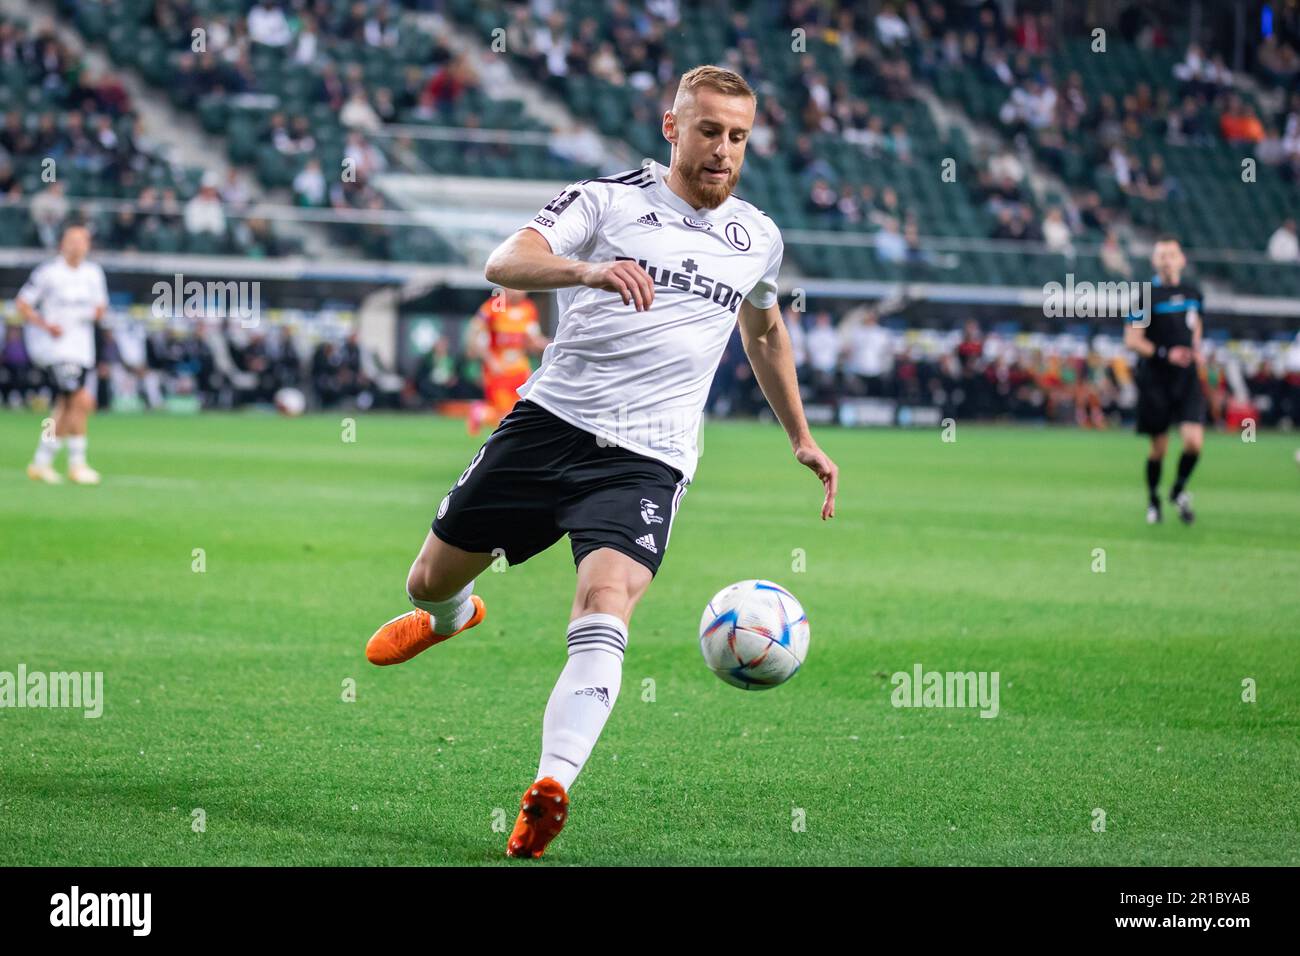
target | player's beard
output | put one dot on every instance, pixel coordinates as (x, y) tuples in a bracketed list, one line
[(709, 195)]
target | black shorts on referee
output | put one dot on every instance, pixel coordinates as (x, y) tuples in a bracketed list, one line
[(1168, 396), (538, 478)]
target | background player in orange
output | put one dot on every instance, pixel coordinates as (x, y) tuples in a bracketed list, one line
[(501, 335)]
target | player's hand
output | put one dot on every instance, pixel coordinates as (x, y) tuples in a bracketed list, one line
[(624, 277), (53, 328), (1181, 356), (825, 469)]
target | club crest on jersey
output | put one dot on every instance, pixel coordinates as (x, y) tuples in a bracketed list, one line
[(650, 219), (738, 236), (697, 223), (648, 509)]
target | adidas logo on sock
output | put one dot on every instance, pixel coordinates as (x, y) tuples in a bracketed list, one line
[(650, 219), (647, 541), (600, 693)]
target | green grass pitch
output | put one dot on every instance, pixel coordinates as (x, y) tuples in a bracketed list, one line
[(1120, 690)]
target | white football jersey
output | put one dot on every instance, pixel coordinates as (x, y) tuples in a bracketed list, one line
[(639, 380), (69, 298)]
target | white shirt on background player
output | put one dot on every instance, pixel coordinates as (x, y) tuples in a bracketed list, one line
[(641, 379), (69, 298)]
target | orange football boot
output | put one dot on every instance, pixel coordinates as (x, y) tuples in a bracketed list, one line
[(408, 634), (542, 813)]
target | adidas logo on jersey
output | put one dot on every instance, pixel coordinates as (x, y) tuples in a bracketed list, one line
[(650, 219), (647, 541)]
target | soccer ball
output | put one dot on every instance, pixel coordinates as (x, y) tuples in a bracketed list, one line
[(754, 635), (290, 402)]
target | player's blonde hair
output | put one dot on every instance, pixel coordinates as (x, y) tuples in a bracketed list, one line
[(727, 82)]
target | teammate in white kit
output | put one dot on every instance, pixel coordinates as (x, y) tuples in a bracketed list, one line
[(654, 267), (61, 303)]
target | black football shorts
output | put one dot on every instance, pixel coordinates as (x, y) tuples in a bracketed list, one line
[(1168, 397), (538, 478)]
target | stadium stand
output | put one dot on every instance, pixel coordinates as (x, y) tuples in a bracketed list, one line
[(1061, 162)]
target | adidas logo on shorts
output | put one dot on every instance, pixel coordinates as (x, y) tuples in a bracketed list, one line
[(650, 219), (647, 541)]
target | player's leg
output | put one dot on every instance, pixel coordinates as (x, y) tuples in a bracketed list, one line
[(619, 522), (81, 404), (609, 585), (1153, 420), (500, 393), (1155, 462), (440, 584), (1193, 436), (502, 504), (51, 440)]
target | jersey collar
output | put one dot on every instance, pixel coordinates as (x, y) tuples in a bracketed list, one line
[(667, 195)]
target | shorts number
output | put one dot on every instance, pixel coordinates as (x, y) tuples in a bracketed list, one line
[(465, 474)]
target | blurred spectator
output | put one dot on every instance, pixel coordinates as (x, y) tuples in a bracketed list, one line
[(49, 209), (381, 28), (823, 355), (448, 85), (203, 213), (358, 114), (267, 24), (1283, 245), (1056, 234), (890, 244), (363, 159), (870, 354), (234, 194), (437, 376), (1239, 123), (1113, 259), (309, 185), (307, 41)]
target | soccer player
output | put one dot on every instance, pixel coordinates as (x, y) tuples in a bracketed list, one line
[(501, 335), (654, 267), (61, 302), (1167, 339)]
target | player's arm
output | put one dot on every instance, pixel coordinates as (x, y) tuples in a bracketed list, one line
[(101, 307), (28, 295), (1196, 344), (476, 337), (1135, 338), (767, 344), (537, 342), (525, 261)]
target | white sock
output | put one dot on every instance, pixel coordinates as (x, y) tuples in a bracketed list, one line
[(45, 452), (583, 696), (76, 450), (450, 615)]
